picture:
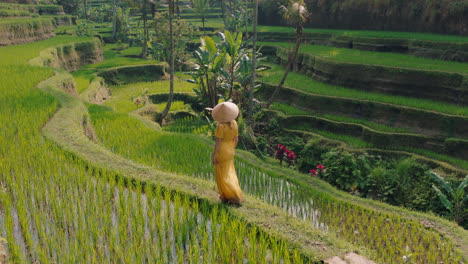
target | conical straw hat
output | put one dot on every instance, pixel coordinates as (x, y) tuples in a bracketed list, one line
[(225, 112)]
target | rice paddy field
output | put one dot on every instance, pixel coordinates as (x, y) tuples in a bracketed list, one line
[(95, 182)]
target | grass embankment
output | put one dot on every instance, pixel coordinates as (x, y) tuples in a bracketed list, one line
[(23, 30), (376, 58), (162, 150), (371, 34), (306, 84), (102, 221)]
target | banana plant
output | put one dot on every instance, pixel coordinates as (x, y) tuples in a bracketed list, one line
[(235, 50), (207, 71), (223, 69), (456, 199)]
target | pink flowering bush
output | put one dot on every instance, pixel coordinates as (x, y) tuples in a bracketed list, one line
[(282, 153), (320, 169)]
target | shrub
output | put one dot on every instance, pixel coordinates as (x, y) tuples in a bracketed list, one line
[(346, 171), (311, 154), (85, 29)]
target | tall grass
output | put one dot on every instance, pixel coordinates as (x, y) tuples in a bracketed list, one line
[(189, 154), (306, 84), (377, 58)]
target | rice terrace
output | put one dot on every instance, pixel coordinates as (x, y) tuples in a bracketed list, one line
[(234, 132)]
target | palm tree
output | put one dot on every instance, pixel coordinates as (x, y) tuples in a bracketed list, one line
[(171, 64), (201, 8), (295, 13), (254, 60)]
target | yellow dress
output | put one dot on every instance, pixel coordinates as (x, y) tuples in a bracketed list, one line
[(226, 177)]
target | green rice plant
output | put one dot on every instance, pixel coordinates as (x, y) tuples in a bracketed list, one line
[(377, 58), (306, 84)]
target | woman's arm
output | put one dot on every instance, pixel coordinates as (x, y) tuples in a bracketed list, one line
[(236, 140), (216, 148)]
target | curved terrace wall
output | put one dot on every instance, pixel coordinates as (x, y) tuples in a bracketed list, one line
[(15, 31), (452, 51), (134, 73), (71, 56), (430, 123), (445, 86)]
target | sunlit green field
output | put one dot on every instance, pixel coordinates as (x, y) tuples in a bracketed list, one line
[(57, 207)]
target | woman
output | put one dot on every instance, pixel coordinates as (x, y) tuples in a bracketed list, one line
[(223, 155)]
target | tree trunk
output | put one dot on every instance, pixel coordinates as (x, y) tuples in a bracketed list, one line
[(153, 10), (85, 3), (254, 62), (223, 11), (171, 64), (114, 21), (246, 19), (203, 24), (178, 9), (144, 48), (291, 60)]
